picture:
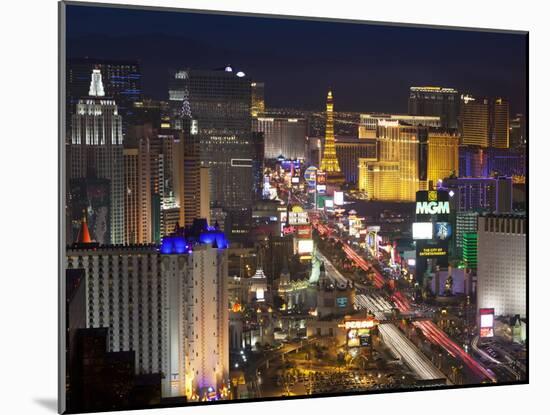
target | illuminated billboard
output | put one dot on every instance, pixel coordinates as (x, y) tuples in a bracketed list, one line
[(298, 218), (353, 338), (310, 176), (486, 322), (359, 332), (338, 198), (287, 230), (303, 231), (433, 206), (321, 178), (422, 230), (295, 180), (432, 203), (359, 338), (359, 324), (305, 246), (443, 231), (321, 182), (432, 251)]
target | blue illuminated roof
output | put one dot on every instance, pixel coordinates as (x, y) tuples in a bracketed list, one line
[(174, 245), (198, 233), (214, 237)]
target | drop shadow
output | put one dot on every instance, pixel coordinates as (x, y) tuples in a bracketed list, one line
[(48, 403)]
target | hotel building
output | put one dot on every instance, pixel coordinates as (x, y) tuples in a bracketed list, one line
[(442, 155), (401, 168), (95, 149), (349, 150), (490, 194), (436, 101), (485, 122), (257, 105), (368, 123), (475, 121), (168, 304), (502, 264), (282, 136)]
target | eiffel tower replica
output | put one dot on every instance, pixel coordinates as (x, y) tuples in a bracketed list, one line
[(329, 161)]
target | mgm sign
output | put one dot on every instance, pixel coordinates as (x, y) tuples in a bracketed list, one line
[(433, 207), (432, 204)]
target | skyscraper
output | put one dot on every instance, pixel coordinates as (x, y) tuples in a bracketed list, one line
[(95, 149), (168, 304), (475, 121), (368, 123), (502, 266), (191, 181), (442, 155), (215, 104), (282, 136), (329, 161), (138, 192), (465, 223), (349, 150), (499, 123), (436, 101), (469, 249), (401, 168), (489, 194), (518, 132), (121, 81), (257, 106), (485, 122)]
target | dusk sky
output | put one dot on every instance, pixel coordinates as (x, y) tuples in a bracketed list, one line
[(369, 67)]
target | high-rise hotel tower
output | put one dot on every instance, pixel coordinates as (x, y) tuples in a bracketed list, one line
[(168, 304), (485, 122), (436, 101), (95, 149)]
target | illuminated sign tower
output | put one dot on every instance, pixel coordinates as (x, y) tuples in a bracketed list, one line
[(433, 211), (329, 161)]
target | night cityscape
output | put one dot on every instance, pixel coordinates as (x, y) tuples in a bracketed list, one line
[(262, 207)]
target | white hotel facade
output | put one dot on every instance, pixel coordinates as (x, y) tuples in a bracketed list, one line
[(171, 309), (502, 266)]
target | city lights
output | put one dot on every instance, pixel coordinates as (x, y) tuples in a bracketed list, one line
[(255, 230)]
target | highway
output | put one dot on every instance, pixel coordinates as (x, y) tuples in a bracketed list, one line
[(350, 252), (331, 270), (438, 336), (396, 341)]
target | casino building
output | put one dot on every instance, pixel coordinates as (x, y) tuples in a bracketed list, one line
[(167, 303), (400, 169), (502, 266), (412, 153)]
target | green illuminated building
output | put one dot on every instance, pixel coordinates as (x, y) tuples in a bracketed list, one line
[(469, 250)]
